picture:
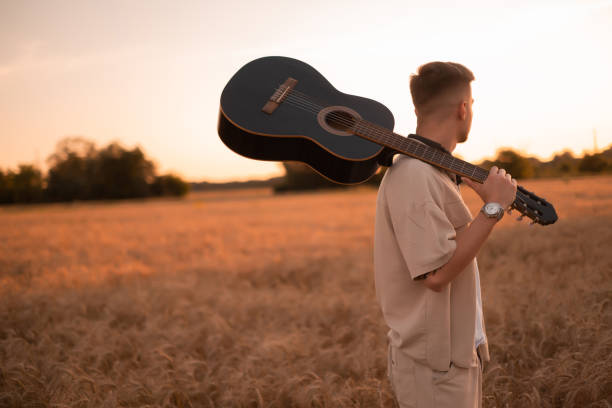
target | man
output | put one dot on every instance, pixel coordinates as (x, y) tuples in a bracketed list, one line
[(426, 275)]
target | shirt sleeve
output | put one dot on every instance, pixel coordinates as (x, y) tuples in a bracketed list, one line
[(425, 236)]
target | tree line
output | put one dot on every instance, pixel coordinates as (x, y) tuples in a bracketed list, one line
[(299, 176), (561, 165), (80, 171)]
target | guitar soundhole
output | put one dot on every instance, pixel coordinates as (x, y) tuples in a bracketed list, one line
[(338, 120)]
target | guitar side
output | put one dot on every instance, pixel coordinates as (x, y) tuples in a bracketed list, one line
[(302, 149)]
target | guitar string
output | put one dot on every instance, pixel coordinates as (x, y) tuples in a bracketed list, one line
[(315, 109), (297, 95), (340, 119), (379, 131), (383, 132), (304, 104), (307, 100)]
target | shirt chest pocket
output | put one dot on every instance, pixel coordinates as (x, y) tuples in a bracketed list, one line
[(458, 213)]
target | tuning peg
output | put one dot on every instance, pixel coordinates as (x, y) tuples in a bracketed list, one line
[(520, 217)]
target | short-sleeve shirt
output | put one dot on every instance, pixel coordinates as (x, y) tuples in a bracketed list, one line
[(419, 213)]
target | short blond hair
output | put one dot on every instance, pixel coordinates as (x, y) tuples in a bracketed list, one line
[(435, 79)]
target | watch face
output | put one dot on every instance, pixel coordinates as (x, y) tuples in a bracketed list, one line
[(493, 209)]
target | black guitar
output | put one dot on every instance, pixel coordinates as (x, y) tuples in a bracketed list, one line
[(278, 108)]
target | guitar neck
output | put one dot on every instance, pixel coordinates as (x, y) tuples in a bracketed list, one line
[(411, 147)]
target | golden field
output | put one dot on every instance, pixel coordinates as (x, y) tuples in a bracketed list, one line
[(245, 299)]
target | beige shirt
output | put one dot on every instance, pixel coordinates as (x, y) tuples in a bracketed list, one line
[(419, 212)]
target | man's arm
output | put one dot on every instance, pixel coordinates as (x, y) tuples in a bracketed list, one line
[(499, 187), (469, 242)]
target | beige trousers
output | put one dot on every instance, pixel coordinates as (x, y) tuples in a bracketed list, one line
[(417, 386)]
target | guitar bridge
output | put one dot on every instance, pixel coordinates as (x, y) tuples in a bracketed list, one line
[(279, 95)]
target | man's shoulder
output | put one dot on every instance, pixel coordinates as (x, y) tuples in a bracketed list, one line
[(406, 166), (418, 181)]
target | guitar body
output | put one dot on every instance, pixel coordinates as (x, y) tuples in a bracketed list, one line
[(294, 130)]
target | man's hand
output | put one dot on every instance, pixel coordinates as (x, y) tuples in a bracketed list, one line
[(499, 187)]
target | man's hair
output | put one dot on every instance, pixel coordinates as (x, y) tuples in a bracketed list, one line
[(436, 78)]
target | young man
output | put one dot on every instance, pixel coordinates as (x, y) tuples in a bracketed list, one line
[(426, 275)]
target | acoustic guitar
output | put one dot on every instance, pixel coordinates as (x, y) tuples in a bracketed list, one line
[(281, 109)]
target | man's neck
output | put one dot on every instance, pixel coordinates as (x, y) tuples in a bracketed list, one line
[(440, 132)]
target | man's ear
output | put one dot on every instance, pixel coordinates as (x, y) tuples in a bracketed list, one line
[(462, 110)]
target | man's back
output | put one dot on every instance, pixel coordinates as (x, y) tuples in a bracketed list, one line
[(418, 215)]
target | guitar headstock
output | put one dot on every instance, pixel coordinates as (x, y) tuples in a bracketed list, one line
[(530, 205)]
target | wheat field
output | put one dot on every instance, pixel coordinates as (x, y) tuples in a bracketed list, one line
[(246, 299)]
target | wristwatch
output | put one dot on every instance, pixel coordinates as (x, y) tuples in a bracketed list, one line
[(493, 210)]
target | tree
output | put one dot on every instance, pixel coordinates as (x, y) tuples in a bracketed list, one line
[(593, 163), (27, 184), (120, 173), (71, 170), (6, 187), (79, 171), (515, 164), (564, 163)]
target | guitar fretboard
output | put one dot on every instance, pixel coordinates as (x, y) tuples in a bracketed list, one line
[(411, 147)]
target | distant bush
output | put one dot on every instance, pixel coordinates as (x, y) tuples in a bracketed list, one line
[(169, 185), (299, 176)]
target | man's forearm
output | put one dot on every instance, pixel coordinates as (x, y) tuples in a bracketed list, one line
[(469, 242)]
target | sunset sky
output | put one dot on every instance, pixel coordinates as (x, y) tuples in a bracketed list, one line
[(150, 73)]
